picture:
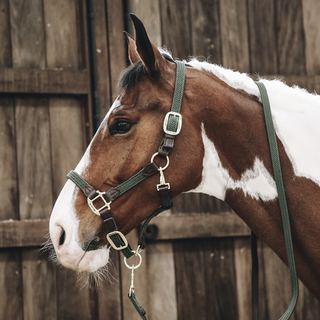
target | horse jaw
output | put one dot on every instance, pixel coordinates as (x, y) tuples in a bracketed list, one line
[(71, 255), (255, 182)]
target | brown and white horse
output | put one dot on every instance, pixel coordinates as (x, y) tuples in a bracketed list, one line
[(222, 151)]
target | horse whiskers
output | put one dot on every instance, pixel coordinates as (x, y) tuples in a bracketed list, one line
[(47, 246), (95, 280)]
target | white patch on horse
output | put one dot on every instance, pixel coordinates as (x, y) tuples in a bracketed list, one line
[(255, 182)]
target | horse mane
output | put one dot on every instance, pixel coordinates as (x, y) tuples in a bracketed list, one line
[(237, 80)]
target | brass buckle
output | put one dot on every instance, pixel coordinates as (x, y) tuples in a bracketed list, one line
[(121, 236), (165, 123), (93, 208)]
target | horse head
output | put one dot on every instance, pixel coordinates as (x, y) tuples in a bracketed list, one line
[(126, 140)]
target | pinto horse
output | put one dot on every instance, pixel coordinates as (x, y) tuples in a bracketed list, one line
[(222, 150)]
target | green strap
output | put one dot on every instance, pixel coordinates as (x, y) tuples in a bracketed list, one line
[(77, 180), (282, 198), (127, 252), (137, 306), (177, 96)]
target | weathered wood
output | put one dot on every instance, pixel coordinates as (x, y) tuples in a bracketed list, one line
[(161, 281), (205, 270), (103, 58), (61, 34), (109, 295), (23, 233), (290, 37), (181, 226), (205, 31), (33, 153), (5, 49), (242, 257), (43, 81), (148, 12), (67, 142), (117, 43), (73, 295), (39, 289), (175, 27), (27, 34), (234, 35), (9, 208), (311, 10), (263, 45), (11, 301)]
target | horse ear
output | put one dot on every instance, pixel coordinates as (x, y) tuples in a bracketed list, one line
[(148, 52), (132, 51)]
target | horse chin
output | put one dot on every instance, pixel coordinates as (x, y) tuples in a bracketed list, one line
[(90, 261)]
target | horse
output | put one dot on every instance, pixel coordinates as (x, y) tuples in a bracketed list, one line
[(222, 150)]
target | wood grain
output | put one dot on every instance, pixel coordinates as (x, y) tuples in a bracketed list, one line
[(234, 35), (11, 302), (27, 34), (175, 27), (161, 281), (5, 49), (60, 21), (33, 154), (9, 208), (290, 37), (117, 45), (200, 226), (39, 290), (148, 12), (311, 9), (68, 143), (206, 32), (43, 81), (263, 37)]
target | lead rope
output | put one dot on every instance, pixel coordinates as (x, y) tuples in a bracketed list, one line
[(283, 208)]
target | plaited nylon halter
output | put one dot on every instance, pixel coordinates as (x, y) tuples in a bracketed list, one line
[(171, 127)]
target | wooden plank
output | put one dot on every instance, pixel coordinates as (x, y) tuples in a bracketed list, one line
[(290, 36), (161, 281), (39, 290), (205, 270), (73, 295), (9, 208), (242, 256), (102, 54), (234, 35), (23, 233), (67, 141), (5, 49), (11, 302), (206, 33), (149, 13), (176, 32), (311, 9), (109, 295), (27, 34), (43, 81), (181, 226), (263, 45), (33, 152), (61, 34), (117, 45)]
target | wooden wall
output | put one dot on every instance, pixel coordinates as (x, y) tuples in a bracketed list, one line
[(199, 267)]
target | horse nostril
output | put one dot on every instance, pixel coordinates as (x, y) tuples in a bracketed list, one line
[(62, 237)]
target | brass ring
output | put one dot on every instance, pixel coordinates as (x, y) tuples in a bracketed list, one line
[(133, 267), (160, 168)]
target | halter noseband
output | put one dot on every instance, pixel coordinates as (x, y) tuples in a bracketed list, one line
[(171, 126)]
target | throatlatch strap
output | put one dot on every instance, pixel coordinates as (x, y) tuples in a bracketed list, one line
[(282, 198)]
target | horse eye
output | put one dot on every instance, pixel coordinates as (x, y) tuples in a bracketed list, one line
[(120, 127)]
